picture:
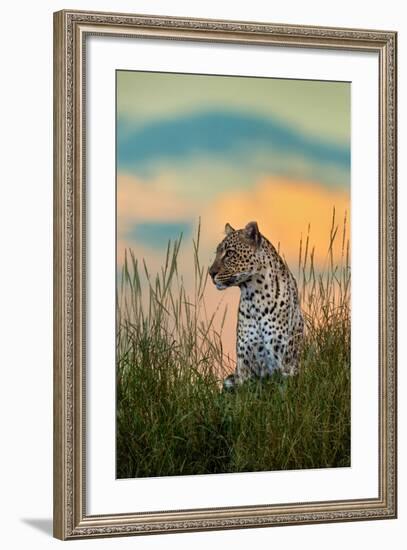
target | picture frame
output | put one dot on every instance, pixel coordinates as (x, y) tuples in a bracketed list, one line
[(72, 31)]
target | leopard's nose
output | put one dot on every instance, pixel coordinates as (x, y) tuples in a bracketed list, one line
[(213, 271)]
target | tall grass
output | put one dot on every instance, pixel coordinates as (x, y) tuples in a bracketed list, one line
[(173, 417)]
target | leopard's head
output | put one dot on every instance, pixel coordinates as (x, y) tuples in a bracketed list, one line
[(237, 256)]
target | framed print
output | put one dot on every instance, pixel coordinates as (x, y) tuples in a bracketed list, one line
[(225, 274)]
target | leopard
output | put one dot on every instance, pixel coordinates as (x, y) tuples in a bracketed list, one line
[(270, 322)]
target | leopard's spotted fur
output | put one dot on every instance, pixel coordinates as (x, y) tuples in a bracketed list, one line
[(270, 323)]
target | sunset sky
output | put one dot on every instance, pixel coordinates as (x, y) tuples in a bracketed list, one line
[(229, 149)]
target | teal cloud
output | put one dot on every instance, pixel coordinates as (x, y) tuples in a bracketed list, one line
[(156, 234), (227, 136)]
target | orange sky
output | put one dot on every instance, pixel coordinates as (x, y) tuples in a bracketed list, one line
[(283, 208)]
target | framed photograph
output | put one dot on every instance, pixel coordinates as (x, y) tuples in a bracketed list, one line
[(225, 274)]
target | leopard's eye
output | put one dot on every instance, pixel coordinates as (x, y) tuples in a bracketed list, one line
[(228, 254)]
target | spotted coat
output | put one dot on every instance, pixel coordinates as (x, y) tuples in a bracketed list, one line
[(270, 323)]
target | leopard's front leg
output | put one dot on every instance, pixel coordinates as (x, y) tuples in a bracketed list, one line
[(244, 369), (241, 374)]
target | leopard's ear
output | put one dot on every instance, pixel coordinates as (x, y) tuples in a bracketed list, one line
[(228, 229), (252, 233)]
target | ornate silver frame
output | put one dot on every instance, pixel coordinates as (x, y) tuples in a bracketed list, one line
[(70, 31)]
